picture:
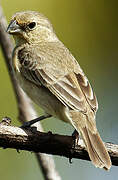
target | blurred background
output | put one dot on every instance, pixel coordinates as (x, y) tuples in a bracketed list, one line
[(90, 30)]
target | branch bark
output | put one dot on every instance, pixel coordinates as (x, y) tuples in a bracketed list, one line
[(32, 140), (25, 108)]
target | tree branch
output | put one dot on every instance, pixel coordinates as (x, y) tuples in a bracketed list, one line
[(25, 108), (32, 140)]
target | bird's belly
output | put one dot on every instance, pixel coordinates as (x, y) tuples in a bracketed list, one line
[(44, 98)]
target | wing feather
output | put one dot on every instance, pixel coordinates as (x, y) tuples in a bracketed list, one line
[(68, 95), (87, 90)]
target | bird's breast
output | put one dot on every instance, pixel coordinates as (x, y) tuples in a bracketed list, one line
[(40, 94)]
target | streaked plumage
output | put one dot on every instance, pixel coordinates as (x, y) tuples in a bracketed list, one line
[(53, 79)]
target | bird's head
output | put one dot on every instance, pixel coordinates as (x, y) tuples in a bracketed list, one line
[(31, 27)]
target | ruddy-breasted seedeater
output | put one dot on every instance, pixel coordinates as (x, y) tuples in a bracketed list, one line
[(53, 79)]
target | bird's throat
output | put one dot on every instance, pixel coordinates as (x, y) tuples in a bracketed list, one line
[(19, 40)]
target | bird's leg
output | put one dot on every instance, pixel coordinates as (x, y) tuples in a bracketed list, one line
[(29, 123), (75, 136)]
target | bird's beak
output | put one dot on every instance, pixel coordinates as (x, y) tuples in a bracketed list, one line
[(13, 27)]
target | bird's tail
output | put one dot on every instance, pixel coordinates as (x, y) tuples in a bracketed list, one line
[(96, 149)]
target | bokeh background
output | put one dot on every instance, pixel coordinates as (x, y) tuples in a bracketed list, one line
[(90, 30)]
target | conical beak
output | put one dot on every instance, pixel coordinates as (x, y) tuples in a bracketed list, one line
[(13, 27)]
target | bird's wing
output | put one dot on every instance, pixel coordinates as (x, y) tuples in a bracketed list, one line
[(71, 86), (72, 89)]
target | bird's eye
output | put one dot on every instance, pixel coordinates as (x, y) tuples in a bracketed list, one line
[(31, 25)]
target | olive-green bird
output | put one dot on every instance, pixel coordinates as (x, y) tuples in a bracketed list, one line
[(53, 79)]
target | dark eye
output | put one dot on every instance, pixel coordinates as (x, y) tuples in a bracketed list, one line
[(31, 25)]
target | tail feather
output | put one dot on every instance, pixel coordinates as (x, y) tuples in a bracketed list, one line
[(96, 149), (86, 125)]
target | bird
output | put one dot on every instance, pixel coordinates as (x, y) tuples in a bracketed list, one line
[(52, 77)]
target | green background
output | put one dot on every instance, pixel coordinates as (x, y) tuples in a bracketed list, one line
[(90, 30)]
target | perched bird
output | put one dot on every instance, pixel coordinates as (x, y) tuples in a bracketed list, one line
[(53, 79)]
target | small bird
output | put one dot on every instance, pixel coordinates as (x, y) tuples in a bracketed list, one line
[(53, 79)]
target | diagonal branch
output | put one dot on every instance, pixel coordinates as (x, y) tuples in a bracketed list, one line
[(25, 108), (32, 140)]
